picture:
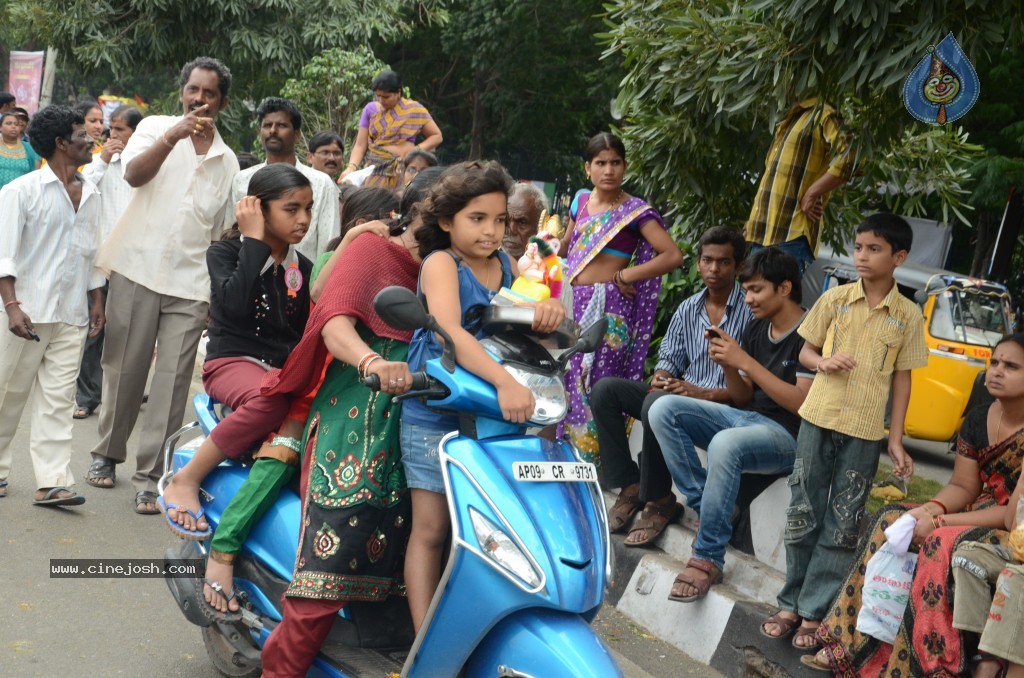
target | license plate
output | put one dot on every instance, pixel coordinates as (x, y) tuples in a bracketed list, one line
[(554, 472)]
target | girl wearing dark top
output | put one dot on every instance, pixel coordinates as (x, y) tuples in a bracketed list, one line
[(258, 311)]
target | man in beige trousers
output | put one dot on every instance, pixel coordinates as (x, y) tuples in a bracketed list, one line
[(181, 171)]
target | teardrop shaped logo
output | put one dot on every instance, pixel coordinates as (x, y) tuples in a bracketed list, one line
[(943, 86)]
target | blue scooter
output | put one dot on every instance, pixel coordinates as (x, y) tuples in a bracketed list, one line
[(529, 557)]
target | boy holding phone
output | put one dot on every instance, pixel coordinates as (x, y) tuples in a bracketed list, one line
[(757, 434)]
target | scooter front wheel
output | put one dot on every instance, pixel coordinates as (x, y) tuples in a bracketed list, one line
[(225, 656)]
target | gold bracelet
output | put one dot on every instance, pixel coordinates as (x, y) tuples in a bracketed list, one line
[(163, 138)]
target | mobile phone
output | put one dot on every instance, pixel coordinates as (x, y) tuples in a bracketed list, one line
[(32, 335)]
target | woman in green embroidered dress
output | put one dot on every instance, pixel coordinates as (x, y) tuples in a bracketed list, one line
[(355, 508), (17, 158)]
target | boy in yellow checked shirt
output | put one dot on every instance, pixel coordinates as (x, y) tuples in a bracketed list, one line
[(861, 339)]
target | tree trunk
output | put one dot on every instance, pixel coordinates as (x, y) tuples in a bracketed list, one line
[(476, 135), (988, 228)]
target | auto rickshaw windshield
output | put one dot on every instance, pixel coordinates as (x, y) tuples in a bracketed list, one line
[(970, 318)]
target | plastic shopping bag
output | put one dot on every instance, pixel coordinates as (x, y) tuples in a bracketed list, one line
[(885, 593)]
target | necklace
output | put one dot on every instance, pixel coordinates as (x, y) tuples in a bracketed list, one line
[(999, 425), (611, 205), (487, 265), (15, 152)]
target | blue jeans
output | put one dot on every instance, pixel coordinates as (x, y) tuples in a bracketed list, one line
[(830, 483), (737, 442), (799, 248)]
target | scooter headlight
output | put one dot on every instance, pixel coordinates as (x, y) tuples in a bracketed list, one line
[(549, 392), (504, 552)]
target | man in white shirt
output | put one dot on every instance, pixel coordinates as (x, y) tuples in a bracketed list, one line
[(49, 232), (107, 172), (280, 129), (181, 171)]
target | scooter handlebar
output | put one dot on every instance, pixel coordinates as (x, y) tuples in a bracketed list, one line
[(420, 381)]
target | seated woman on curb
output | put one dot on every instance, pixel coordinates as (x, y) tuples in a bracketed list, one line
[(971, 508), (988, 579), (258, 311)]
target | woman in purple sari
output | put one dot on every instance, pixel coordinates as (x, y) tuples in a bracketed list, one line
[(617, 249)]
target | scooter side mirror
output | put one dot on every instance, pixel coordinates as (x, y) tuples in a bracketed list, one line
[(588, 342), (400, 308), (591, 337), (403, 310)]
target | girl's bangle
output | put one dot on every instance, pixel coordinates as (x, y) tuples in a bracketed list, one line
[(939, 521), (939, 503), (352, 165), (292, 444), (618, 278), (12, 302)]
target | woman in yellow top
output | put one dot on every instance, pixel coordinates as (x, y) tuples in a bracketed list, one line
[(387, 132)]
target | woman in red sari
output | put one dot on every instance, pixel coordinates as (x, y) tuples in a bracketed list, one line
[(971, 507), (387, 133)]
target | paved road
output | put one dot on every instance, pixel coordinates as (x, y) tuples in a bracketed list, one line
[(131, 627)]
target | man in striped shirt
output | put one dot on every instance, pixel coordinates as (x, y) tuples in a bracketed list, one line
[(49, 233), (685, 368)]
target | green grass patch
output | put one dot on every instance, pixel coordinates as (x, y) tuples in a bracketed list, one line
[(920, 490)]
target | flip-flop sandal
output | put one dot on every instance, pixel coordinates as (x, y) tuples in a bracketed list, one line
[(101, 469), (145, 497), (83, 412), (194, 535), (622, 511), (653, 521), (209, 610), (714, 575), (811, 661), (804, 632), (787, 625), (51, 498)]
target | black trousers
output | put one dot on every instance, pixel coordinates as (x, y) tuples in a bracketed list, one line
[(611, 399)]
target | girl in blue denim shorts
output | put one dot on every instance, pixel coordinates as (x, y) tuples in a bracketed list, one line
[(464, 218)]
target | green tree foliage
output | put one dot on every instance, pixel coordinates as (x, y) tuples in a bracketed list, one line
[(523, 82), (707, 80), (262, 41), (332, 90)]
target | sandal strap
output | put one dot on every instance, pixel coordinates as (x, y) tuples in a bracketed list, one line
[(705, 566)]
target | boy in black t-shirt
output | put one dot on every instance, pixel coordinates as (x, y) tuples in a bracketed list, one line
[(758, 435)]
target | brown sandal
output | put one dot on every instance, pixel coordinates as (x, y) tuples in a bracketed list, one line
[(813, 661), (804, 632), (787, 625), (622, 511), (713, 575), (653, 521)]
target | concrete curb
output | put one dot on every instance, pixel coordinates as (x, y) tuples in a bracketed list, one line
[(723, 629)]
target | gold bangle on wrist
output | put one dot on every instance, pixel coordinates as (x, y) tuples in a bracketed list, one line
[(167, 143)]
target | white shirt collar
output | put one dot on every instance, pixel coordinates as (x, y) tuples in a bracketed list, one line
[(291, 257)]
